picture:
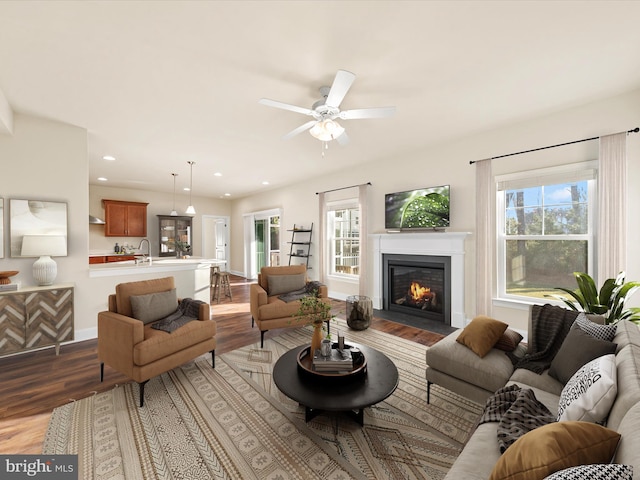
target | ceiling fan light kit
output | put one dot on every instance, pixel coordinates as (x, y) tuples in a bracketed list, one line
[(326, 110)]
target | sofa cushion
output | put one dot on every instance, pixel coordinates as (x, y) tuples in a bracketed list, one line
[(154, 306), (482, 334), (509, 340), (590, 392), (577, 350), (628, 369), (279, 284), (603, 332), (597, 471), (554, 447), (458, 361), (158, 344)]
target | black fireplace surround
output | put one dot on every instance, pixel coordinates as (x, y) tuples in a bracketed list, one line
[(418, 285)]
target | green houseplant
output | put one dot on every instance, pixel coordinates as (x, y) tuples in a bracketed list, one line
[(314, 311), (608, 302)]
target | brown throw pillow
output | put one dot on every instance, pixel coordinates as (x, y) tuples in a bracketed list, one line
[(482, 334), (509, 340), (553, 447)]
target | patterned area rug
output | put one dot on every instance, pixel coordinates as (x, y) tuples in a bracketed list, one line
[(233, 423)]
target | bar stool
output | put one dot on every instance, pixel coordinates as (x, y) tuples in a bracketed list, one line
[(221, 284), (213, 269)]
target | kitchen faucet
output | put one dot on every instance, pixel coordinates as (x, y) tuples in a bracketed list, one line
[(145, 257)]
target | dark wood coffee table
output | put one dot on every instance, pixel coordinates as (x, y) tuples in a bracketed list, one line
[(349, 395)]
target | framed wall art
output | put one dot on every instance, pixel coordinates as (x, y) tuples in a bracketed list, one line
[(35, 217)]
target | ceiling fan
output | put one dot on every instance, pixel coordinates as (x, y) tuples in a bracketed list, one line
[(326, 110)]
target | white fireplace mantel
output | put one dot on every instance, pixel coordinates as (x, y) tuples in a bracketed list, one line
[(445, 244)]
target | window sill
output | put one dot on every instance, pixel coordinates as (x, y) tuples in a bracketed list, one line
[(344, 278), (522, 303)]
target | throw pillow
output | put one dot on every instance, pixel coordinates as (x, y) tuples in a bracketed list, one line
[(279, 284), (509, 340), (482, 334), (554, 447), (577, 349), (598, 471), (590, 393), (154, 306), (603, 332)]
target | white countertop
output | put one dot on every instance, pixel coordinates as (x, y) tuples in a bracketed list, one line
[(158, 264)]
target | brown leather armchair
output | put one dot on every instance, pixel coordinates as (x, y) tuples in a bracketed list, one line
[(135, 349), (267, 310)]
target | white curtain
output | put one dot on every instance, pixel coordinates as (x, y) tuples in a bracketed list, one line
[(322, 237), (612, 210), (362, 261), (485, 233)]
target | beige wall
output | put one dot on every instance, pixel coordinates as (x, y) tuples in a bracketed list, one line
[(48, 160), (160, 203), (449, 164)]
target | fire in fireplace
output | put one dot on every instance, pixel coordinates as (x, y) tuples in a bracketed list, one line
[(418, 285)]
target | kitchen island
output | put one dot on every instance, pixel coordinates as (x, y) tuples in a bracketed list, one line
[(191, 274)]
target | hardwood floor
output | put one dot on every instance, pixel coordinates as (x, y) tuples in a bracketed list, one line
[(34, 383)]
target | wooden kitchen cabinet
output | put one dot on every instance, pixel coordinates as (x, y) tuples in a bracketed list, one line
[(125, 219), (35, 317)]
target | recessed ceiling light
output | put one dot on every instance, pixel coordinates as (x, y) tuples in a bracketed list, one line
[(186, 189), (265, 183), (227, 194), (111, 158), (102, 179), (217, 174)]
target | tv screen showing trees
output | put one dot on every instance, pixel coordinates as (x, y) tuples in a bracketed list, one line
[(426, 208)]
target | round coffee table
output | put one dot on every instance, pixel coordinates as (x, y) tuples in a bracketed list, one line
[(318, 394)]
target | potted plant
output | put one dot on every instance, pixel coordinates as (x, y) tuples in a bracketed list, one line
[(182, 248), (608, 302), (314, 311)]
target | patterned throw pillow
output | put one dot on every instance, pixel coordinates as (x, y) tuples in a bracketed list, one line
[(603, 332), (509, 341), (598, 471), (590, 393)]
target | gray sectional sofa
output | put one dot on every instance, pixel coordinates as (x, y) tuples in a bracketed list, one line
[(455, 367)]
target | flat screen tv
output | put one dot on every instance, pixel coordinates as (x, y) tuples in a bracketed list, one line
[(425, 208)]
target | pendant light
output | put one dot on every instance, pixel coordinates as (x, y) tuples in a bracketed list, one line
[(191, 209), (174, 212)]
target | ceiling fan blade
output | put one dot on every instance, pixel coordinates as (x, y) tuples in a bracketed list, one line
[(343, 139), (300, 129), (380, 112), (285, 106), (341, 85)]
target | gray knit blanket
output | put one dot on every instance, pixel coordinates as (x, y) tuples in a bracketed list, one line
[(188, 310), (550, 325), (310, 288), (517, 411)]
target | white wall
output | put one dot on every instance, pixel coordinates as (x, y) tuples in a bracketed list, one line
[(46, 160), (449, 164)]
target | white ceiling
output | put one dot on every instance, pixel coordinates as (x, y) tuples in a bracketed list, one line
[(159, 83)]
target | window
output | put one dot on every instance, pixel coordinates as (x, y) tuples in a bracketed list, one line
[(545, 229), (343, 227)]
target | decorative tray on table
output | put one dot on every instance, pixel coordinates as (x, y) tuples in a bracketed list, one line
[(317, 367)]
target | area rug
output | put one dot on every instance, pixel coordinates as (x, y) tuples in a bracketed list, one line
[(233, 423)]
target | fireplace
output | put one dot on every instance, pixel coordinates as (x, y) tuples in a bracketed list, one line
[(430, 244), (418, 285)]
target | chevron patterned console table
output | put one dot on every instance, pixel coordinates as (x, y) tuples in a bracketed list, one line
[(36, 317)]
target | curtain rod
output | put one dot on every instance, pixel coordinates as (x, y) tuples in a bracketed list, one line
[(343, 188), (635, 130)]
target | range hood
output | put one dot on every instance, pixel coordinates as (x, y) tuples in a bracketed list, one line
[(95, 220)]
